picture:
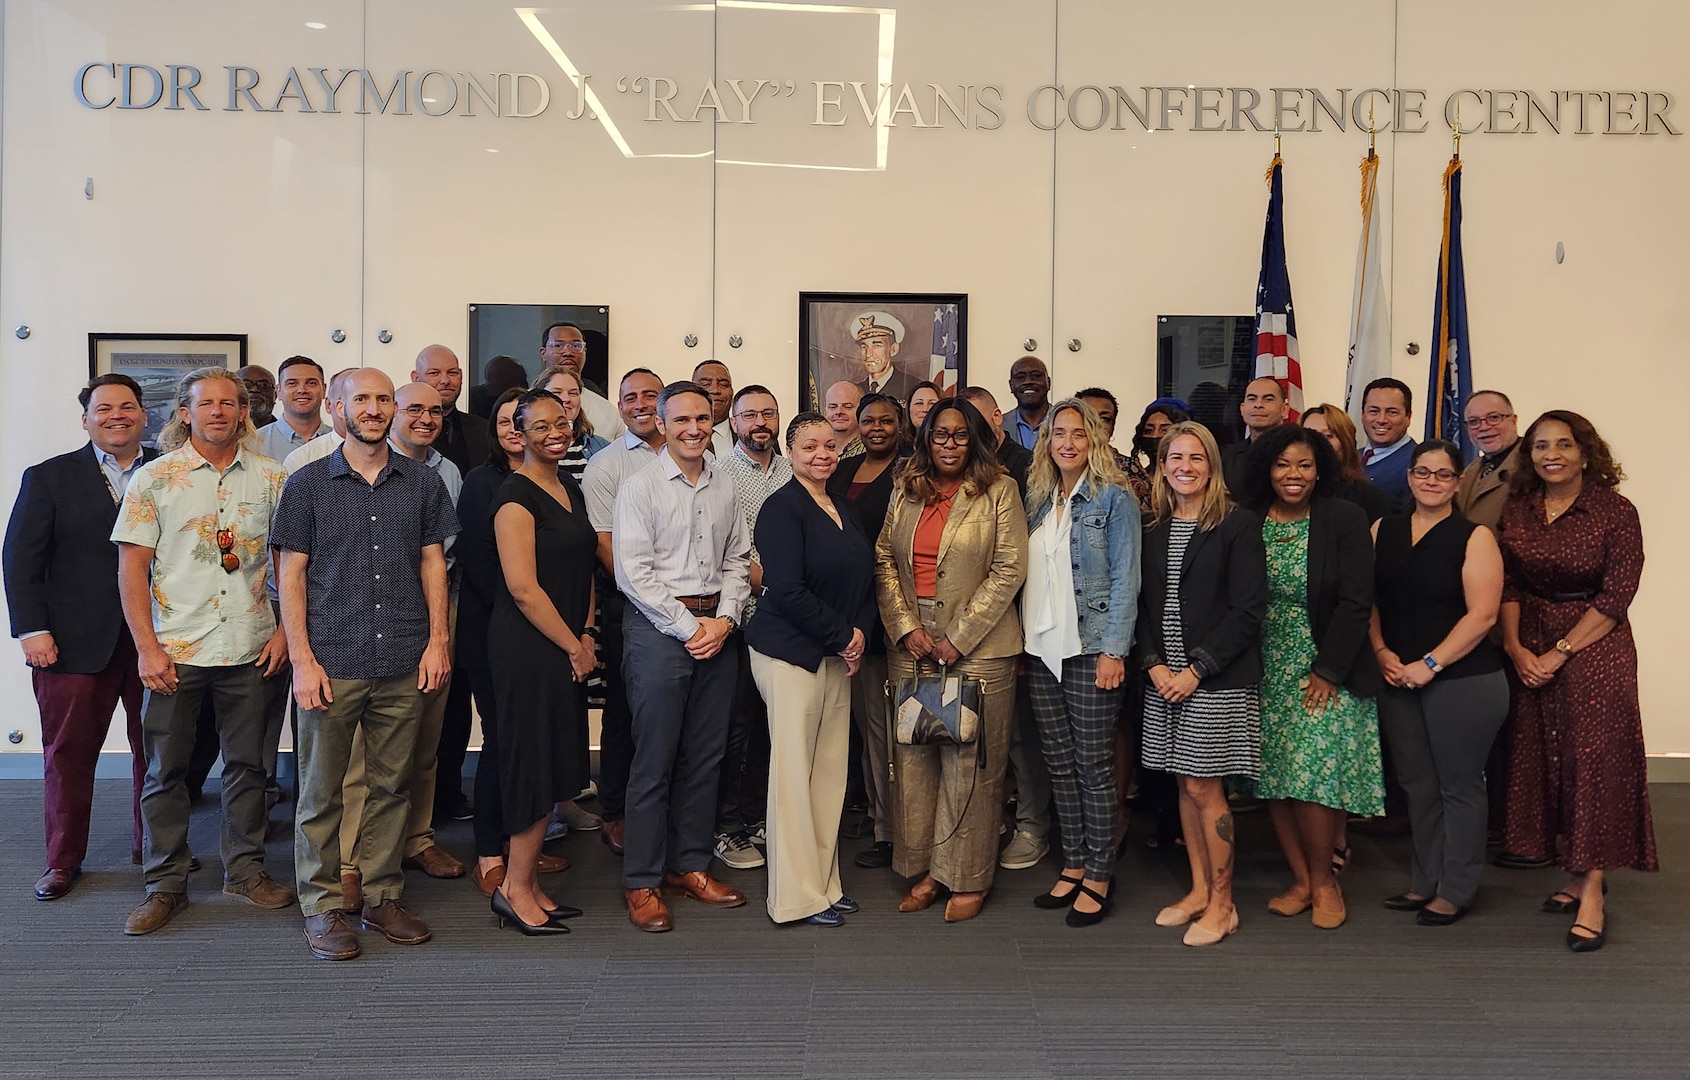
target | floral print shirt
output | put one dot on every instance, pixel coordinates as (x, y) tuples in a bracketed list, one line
[(177, 505)]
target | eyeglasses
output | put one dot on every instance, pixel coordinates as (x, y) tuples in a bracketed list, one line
[(571, 346), (226, 545), (416, 412), (955, 438), (766, 415), (546, 429), (1474, 423), (1442, 476)]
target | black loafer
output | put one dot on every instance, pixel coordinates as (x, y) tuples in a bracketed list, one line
[(877, 857), (1405, 902), (1046, 902), (1428, 917), (1507, 860), (1579, 943)]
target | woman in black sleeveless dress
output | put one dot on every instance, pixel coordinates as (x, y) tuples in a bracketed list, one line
[(539, 646), (1438, 587)]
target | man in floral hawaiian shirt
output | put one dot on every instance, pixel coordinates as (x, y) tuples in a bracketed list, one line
[(193, 558)]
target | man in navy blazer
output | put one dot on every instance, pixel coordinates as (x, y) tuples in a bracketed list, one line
[(61, 589)]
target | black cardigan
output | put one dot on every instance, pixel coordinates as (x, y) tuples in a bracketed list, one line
[(818, 579), (1340, 595), (1223, 599)]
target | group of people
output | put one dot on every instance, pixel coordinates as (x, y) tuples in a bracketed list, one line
[(739, 595)]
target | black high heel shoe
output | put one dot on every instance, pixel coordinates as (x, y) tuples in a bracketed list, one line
[(502, 908), (562, 912)]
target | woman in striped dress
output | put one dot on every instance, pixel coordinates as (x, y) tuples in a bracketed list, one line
[(1201, 604)]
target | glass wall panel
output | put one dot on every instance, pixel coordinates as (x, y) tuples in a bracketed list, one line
[(895, 159)]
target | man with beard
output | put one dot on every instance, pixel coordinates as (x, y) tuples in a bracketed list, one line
[(1029, 383), (879, 336), (361, 536), (464, 438), (633, 450), (563, 344), (260, 394), (193, 557), (718, 382), (415, 427), (757, 472), (61, 591)]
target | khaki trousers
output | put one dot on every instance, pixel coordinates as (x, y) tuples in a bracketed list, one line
[(419, 819), (809, 757)]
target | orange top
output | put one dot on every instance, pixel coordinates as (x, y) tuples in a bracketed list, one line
[(928, 531)]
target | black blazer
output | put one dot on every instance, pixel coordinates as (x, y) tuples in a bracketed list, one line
[(60, 563), (1223, 596), (465, 440), (1340, 595), (818, 579)]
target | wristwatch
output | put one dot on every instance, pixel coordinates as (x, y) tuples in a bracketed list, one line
[(1112, 656), (1432, 662), (1564, 647), (733, 623)]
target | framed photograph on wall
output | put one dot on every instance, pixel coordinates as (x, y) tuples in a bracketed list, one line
[(508, 332), (158, 362), (887, 342)]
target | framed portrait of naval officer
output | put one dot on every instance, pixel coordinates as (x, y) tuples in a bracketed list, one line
[(158, 362), (885, 343)]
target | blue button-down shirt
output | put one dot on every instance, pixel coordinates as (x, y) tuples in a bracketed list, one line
[(1022, 432), (365, 611), (276, 440), (116, 475)]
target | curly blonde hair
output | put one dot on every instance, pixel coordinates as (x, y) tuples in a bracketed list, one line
[(1100, 456)]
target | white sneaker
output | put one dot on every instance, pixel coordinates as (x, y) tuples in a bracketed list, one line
[(591, 791), (759, 834), (737, 852), (1024, 851)]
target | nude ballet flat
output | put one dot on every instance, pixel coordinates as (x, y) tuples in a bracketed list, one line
[(1174, 915), (1288, 904), (1197, 937)]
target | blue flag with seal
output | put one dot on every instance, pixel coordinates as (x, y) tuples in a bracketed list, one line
[(1451, 381)]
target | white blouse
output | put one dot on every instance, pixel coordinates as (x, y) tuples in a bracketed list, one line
[(1050, 615)]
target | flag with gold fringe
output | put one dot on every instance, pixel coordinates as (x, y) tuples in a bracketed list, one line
[(1370, 342), (1276, 327), (1451, 381)]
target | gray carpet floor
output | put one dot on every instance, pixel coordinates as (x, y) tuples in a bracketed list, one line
[(227, 990)]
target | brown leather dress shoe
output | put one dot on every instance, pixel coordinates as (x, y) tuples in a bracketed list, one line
[(260, 890), (489, 881), (56, 882), (396, 924), (704, 888), (647, 911), (551, 864), (329, 937), (435, 862), (351, 892), (156, 910), (613, 834), (964, 906), (921, 895)]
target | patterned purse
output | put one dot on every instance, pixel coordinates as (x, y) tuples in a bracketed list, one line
[(935, 709)]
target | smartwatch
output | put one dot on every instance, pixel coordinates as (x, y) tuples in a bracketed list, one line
[(1432, 662)]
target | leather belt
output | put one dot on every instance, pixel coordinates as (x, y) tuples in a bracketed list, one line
[(1558, 597), (700, 604)]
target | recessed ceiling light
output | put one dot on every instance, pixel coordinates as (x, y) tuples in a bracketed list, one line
[(316, 26)]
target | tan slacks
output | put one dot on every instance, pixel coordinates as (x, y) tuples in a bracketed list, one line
[(809, 756), (946, 807), (419, 820)]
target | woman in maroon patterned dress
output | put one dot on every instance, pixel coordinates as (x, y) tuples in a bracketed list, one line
[(1573, 552)]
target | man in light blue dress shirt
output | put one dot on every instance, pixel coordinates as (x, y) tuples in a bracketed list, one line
[(301, 396)]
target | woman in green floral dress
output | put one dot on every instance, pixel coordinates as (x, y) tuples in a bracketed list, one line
[(1320, 729)]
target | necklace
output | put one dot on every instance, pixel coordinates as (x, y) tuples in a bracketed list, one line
[(1551, 512)]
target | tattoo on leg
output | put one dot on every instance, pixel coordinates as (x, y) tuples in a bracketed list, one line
[(1223, 827)]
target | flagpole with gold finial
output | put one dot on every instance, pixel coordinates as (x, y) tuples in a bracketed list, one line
[(1455, 131), (1371, 151)]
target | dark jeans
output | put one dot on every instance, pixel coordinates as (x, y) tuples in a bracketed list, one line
[(489, 808), (454, 746), (235, 696), (680, 709), (743, 799), (616, 730)]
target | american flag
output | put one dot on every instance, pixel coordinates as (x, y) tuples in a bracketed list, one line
[(942, 369), (1276, 328)]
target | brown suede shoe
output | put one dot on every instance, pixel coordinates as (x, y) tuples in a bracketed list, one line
[(56, 882), (704, 888), (435, 862), (351, 892), (156, 910), (396, 924), (647, 911), (329, 937), (613, 834), (921, 895), (551, 864), (260, 890), (489, 881), (964, 906)]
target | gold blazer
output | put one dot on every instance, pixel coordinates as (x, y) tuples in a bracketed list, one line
[(982, 565)]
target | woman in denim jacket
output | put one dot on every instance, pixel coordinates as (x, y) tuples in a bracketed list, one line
[(1077, 611)]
